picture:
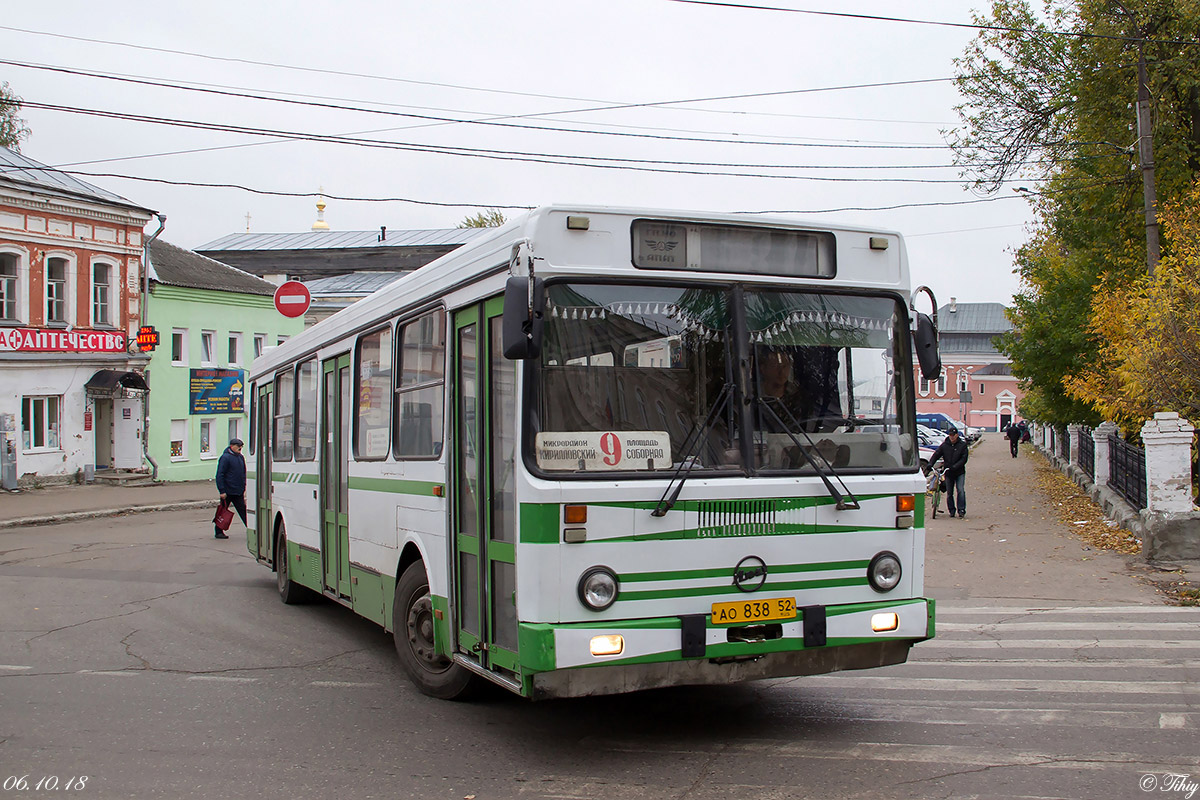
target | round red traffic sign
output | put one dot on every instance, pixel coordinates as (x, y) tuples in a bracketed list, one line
[(292, 298)]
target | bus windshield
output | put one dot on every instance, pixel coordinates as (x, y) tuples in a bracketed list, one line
[(641, 379)]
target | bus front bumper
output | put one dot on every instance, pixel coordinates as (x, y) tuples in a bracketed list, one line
[(673, 651)]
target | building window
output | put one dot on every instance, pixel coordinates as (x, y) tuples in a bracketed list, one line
[(282, 430), (963, 381), (234, 428), (281, 340), (373, 422), (420, 386), (56, 290), (260, 341), (102, 275), (306, 412), (924, 385), (207, 354), (235, 349), (179, 440), (206, 439), (179, 347), (40, 421), (981, 390), (10, 287), (941, 383)]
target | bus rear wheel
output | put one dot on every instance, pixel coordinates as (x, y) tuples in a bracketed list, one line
[(412, 629), (290, 592)]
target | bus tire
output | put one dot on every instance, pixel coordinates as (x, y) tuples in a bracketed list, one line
[(412, 630), (290, 592)]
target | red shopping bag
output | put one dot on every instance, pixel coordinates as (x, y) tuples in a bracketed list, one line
[(224, 516)]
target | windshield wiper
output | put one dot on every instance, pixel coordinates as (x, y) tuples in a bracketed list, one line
[(844, 501), (694, 439)]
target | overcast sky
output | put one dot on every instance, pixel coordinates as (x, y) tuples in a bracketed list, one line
[(604, 68)]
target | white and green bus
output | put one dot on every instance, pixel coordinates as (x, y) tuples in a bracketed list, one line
[(601, 450)]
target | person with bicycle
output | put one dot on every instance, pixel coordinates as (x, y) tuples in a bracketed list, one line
[(953, 452)]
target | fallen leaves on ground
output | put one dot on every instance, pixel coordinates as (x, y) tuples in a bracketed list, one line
[(1079, 513)]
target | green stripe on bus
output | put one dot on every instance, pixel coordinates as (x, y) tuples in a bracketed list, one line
[(394, 486), (696, 591), (724, 572)]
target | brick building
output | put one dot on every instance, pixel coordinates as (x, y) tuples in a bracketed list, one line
[(977, 385), (70, 266)]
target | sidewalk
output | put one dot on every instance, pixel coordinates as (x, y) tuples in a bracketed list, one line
[(1014, 548), (71, 503)]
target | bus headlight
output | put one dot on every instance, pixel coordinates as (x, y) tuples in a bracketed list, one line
[(598, 588), (884, 572)]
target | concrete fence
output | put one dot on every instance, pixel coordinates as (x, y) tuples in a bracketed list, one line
[(1169, 522)]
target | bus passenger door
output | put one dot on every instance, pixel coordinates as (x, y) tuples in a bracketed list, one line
[(262, 473), (484, 511), (335, 480)]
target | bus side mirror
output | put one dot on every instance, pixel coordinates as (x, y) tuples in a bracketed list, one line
[(524, 318), (926, 340)]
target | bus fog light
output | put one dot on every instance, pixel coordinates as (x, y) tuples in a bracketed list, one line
[(879, 622), (884, 572), (610, 645), (598, 588)]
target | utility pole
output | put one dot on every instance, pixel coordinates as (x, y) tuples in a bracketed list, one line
[(1146, 157)]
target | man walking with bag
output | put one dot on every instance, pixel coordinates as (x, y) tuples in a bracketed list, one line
[(231, 481)]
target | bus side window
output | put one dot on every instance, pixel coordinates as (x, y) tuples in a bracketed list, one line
[(306, 411), (374, 395), (420, 386), (282, 428)]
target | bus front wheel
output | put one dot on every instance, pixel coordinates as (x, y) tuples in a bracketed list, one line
[(412, 626)]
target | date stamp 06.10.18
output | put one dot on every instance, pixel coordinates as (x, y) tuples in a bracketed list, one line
[(44, 783)]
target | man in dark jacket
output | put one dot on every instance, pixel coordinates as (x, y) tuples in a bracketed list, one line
[(953, 452), (1014, 437), (231, 480)]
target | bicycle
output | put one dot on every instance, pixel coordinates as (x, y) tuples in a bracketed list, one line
[(936, 484)]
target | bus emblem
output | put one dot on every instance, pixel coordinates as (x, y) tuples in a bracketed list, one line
[(746, 571)]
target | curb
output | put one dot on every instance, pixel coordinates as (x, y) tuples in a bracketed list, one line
[(76, 516)]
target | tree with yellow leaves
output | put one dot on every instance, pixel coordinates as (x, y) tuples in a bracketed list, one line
[(1149, 333)]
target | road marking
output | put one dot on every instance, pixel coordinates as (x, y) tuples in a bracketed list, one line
[(1082, 663), (221, 678), (1013, 625), (943, 611), (1172, 720), (106, 672), (1069, 644), (343, 684), (13, 667), (1001, 685)]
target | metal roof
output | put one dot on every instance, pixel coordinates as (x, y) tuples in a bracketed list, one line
[(354, 283), (973, 318), (342, 240), (24, 171), (175, 266)]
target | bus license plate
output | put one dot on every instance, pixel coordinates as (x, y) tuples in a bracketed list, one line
[(765, 610)]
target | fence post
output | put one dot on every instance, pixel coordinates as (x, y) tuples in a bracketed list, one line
[(1073, 431), (1100, 436), (1168, 441)]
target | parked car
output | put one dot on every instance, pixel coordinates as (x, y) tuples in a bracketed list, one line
[(941, 422), (931, 435)]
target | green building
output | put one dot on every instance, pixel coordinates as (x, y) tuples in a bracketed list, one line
[(212, 321)]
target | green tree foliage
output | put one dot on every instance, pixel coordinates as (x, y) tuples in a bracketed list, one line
[(491, 218), (1149, 334), (13, 129), (1059, 110)]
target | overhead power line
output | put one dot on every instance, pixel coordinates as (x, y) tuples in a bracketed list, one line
[(936, 23), (245, 94)]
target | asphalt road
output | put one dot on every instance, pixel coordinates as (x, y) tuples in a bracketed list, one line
[(158, 662)]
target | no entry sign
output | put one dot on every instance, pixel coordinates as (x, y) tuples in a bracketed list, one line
[(292, 298)]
